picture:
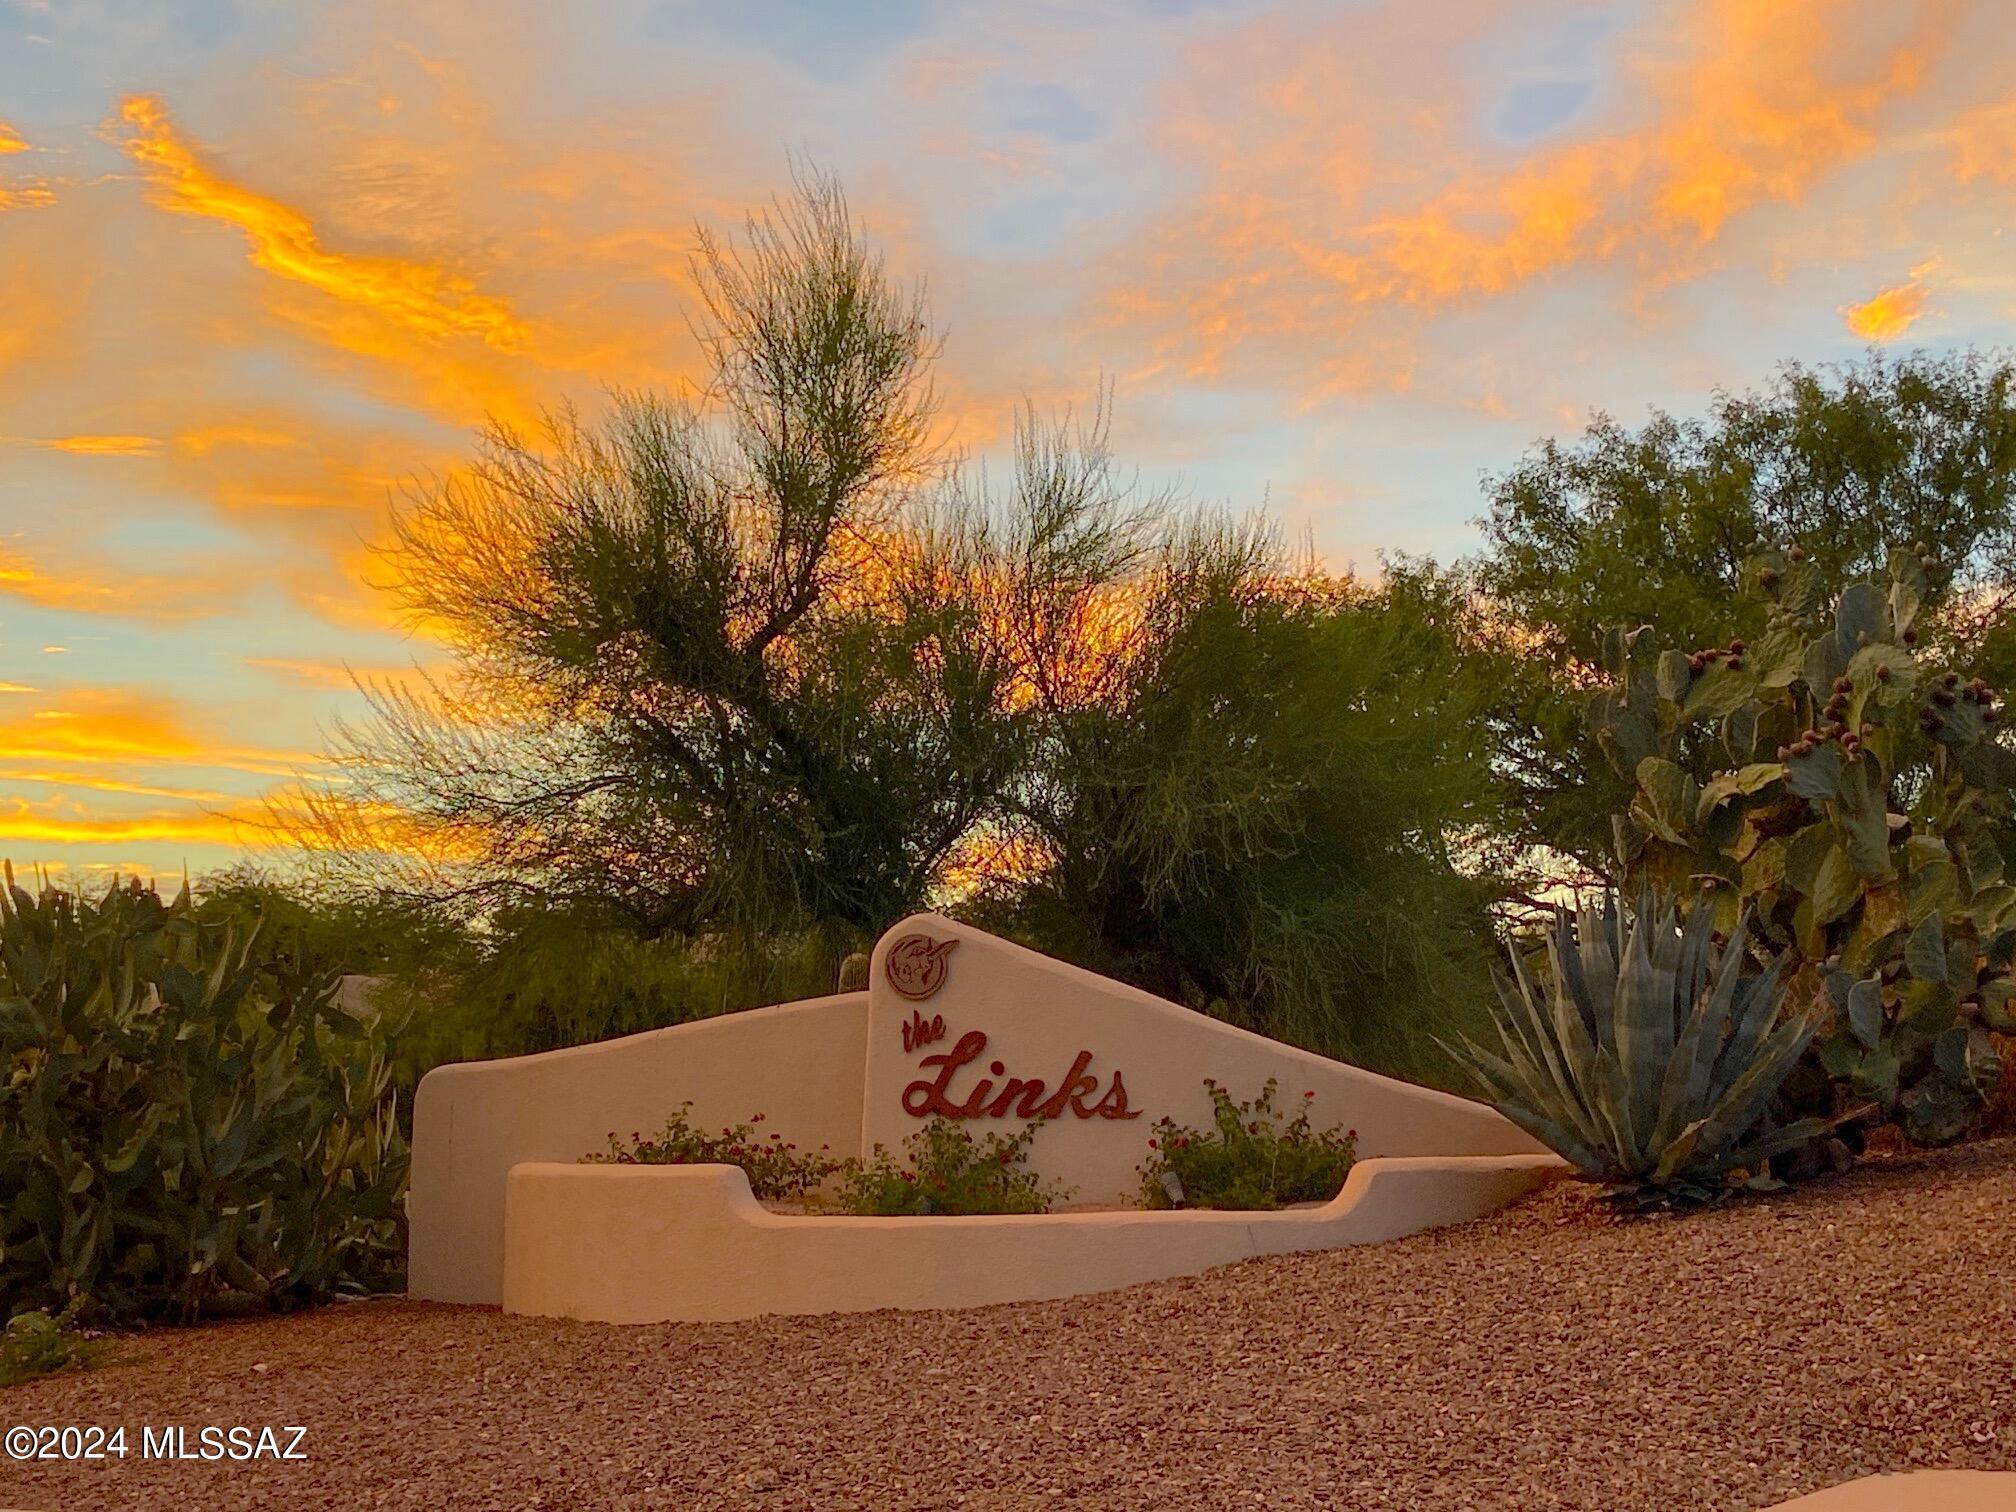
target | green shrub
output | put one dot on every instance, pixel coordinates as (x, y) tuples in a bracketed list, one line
[(540, 977), (1842, 783), (1649, 1058), (775, 1168), (39, 1343), (186, 1113), (944, 1170), (1254, 1156)]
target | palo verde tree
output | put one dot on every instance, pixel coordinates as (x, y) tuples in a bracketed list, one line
[(756, 665), (711, 675)]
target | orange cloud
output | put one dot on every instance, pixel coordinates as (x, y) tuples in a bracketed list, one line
[(28, 194), (99, 784), (1892, 311), (95, 727), (1983, 141), (205, 439), (332, 675), (33, 194), (103, 446), (1331, 209), (121, 594), (21, 823), (428, 299)]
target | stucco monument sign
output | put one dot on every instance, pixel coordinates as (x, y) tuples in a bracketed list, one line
[(955, 1023), (934, 1095)]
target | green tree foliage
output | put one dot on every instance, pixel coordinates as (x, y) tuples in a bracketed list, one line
[(1255, 788), (533, 976), (756, 671), (1653, 526), (711, 675)]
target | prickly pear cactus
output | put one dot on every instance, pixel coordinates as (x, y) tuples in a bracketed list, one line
[(1847, 787)]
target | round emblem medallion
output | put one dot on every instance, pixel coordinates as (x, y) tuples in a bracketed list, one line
[(916, 965)]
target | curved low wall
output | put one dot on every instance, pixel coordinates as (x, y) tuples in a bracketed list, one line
[(799, 1064), (955, 1022), (650, 1244)]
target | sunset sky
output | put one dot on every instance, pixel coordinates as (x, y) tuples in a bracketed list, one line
[(264, 266)]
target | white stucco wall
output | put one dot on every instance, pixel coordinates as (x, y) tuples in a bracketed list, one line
[(835, 1071), (799, 1064), (650, 1244), (1037, 1013)]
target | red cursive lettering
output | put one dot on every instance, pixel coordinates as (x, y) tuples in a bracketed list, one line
[(1017, 1097), (972, 1044), (919, 1031)]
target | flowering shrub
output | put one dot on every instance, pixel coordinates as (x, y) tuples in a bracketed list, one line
[(945, 1170), (42, 1343), (1254, 1156), (774, 1167)]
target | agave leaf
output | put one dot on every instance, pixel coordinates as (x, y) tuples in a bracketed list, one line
[(1788, 1137), (1644, 1029), (1756, 1010), (1691, 1071), (1697, 941), (1577, 1044), (1565, 955), (1679, 1154), (1516, 1030), (1586, 1159), (1542, 1031), (1743, 1104), (1516, 1095), (1523, 1076), (1597, 943)]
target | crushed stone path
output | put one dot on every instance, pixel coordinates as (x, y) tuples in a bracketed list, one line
[(1550, 1357)]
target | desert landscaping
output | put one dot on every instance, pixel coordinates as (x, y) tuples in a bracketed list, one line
[(914, 754), (1554, 1357)]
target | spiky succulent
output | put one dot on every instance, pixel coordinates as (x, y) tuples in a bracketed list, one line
[(1648, 1059)]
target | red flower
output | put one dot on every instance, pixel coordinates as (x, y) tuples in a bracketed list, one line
[(1152, 1145), (1308, 1094), (1350, 1133)]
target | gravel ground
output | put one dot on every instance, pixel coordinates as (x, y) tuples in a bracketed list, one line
[(1550, 1357)]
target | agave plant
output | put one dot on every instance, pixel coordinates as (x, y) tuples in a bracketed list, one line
[(1648, 1059)]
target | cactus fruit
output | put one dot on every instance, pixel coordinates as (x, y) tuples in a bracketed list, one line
[(1845, 793)]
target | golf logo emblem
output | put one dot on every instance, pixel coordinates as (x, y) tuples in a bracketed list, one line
[(916, 965)]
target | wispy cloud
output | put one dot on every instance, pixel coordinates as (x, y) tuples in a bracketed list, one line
[(116, 592), (92, 446), (1318, 232), (21, 823), (1983, 143), (134, 729), (431, 300), (33, 193)]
